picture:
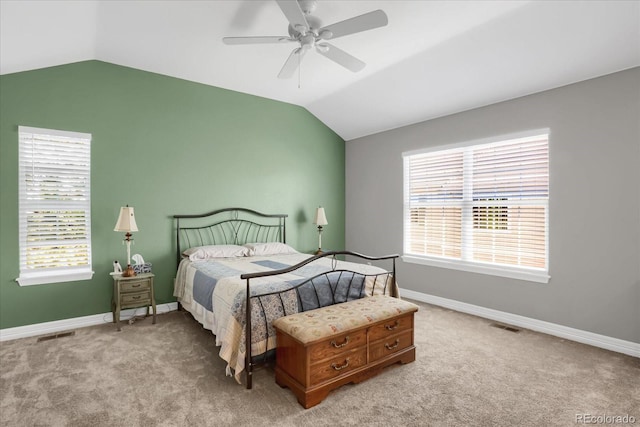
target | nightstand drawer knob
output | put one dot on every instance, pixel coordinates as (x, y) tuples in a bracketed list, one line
[(137, 285), (136, 297)]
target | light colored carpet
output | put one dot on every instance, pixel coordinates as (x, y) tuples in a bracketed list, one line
[(169, 374)]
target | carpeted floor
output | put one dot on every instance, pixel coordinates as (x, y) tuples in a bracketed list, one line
[(467, 373)]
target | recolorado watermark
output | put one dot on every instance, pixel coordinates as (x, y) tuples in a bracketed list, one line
[(605, 419)]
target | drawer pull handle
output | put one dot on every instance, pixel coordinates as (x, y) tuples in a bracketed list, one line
[(336, 345), (392, 327), (137, 285), (136, 297), (391, 347), (339, 368)]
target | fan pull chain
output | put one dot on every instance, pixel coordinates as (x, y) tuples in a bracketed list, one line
[(299, 65)]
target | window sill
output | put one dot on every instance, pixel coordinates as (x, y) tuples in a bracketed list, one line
[(49, 277), (530, 275)]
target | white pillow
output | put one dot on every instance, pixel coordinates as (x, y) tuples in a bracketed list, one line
[(271, 248), (215, 251)]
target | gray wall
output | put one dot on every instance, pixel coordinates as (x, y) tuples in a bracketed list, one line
[(594, 216)]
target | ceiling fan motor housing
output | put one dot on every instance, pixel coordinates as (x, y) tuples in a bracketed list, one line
[(314, 25)]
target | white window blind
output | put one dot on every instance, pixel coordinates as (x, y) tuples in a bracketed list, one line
[(480, 207), (54, 206)]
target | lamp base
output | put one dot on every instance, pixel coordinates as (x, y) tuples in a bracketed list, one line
[(318, 252), (129, 271)]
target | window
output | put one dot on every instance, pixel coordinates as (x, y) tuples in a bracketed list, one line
[(480, 206), (54, 206)]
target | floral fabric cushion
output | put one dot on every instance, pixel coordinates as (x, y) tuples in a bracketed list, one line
[(321, 323)]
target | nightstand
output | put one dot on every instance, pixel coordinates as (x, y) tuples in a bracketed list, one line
[(132, 292)]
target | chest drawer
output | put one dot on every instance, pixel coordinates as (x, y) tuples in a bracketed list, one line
[(338, 345), (391, 327), (339, 365), (390, 345), (135, 285)]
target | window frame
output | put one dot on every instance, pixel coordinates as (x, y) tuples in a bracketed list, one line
[(539, 275), (67, 273)]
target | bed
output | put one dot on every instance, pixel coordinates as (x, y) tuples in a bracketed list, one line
[(237, 274)]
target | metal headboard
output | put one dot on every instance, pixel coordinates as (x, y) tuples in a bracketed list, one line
[(230, 226)]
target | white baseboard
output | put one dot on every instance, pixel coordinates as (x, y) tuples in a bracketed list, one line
[(77, 322), (590, 338), (596, 340)]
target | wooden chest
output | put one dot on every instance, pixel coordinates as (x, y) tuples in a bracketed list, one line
[(320, 350)]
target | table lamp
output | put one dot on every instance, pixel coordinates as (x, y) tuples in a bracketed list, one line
[(320, 220), (127, 223)]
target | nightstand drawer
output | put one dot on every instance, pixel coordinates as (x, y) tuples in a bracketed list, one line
[(137, 298), (135, 285)]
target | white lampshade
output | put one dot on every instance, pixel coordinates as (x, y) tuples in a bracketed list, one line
[(321, 218), (126, 220)]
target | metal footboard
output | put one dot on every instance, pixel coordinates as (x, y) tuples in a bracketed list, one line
[(336, 279)]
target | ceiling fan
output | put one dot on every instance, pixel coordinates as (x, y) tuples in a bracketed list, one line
[(307, 30)]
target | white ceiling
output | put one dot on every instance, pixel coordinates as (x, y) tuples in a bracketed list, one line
[(434, 58)]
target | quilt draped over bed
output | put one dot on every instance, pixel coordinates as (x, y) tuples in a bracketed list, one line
[(215, 295)]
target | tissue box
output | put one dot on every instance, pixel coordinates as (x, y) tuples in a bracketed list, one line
[(142, 268)]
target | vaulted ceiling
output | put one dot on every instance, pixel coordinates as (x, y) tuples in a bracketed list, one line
[(434, 58)]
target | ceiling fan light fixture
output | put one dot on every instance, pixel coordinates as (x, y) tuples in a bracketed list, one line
[(307, 41), (322, 48), (325, 34)]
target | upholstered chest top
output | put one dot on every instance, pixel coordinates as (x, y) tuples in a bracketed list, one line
[(313, 325)]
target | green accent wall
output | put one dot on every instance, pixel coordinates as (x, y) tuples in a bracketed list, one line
[(164, 146)]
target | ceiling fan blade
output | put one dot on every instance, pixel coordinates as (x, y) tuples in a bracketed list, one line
[(256, 40), (292, 63), (365, 22), (341, 57), (294, 15)]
